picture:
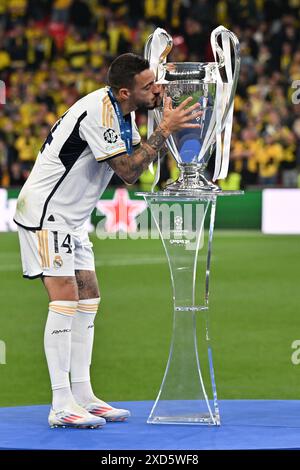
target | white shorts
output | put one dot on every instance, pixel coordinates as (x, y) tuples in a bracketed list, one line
[(55, 253)]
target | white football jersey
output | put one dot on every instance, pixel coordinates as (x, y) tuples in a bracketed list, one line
[(71, 171)]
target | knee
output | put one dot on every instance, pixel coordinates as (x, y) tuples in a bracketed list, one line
[(61, 288), (87, 285)]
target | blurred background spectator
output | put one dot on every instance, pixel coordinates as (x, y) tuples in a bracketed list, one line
[(52, 52)]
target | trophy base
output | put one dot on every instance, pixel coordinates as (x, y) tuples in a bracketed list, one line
[(191, 179), (200, 419)]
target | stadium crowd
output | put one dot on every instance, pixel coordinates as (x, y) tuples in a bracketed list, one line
[(52, 52)]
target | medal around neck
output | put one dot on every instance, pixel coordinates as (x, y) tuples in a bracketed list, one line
[(125, 125)]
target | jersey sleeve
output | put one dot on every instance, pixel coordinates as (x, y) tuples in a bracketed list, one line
[(106, 142)]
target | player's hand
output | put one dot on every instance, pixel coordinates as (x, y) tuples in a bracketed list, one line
[(178, 118)]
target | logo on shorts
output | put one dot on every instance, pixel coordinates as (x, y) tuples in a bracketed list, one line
[(110, 136), (58, 262)]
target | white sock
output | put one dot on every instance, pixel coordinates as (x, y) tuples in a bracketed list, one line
[(57, 342), (82, 346)]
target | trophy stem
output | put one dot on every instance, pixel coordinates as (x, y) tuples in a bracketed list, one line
[(191, 178), (188, 392)]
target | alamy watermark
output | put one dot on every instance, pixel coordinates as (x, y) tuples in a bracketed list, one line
[(295, 357), (180, 224), (2, 92), (2, 352), (296, 95)]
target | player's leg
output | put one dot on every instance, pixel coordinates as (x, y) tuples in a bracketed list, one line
[(57, 341), (61, 287), (45, 254), (63, 300), (83, 335)]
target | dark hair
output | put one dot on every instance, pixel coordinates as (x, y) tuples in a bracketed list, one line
[(123, 69)]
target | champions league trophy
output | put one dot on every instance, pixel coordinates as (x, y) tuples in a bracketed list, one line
[(188, 391)]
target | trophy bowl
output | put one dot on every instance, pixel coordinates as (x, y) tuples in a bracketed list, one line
[(196, 80)]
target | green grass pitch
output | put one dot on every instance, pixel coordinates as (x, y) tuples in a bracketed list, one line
[(254, 310)]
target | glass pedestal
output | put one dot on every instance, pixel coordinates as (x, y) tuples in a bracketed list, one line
[(188, 393)]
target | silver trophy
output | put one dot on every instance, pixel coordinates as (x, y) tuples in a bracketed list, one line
[(213, 86)]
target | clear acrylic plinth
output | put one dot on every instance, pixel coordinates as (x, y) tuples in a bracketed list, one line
[(188, 393)]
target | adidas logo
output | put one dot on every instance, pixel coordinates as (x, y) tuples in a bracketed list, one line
[(55, 332), (90, 326)]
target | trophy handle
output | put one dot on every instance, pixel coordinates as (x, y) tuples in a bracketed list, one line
[(147, 49), (163, 35), (222, 120), (157, 47), (237, 64)]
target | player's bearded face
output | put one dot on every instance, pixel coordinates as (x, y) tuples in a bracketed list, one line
[(149, 103), (146, 93)]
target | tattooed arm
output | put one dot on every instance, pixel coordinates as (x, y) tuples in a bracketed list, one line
[(129, 168)]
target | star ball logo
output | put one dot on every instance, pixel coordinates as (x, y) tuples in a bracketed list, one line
[(110, 136)]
